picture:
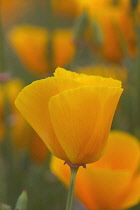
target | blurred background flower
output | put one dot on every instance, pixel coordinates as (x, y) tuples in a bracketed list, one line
[(13, 10), (32, 45), (111, 183)]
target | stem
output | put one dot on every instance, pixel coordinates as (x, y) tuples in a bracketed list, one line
[(2, 59), (71, 188)]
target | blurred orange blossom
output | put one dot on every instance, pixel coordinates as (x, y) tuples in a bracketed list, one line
[(71, 113), (111, 183), (23, 136), (114, 19), (31, 45), (116, 25), (11, 10), (8, 93), (37, 149)]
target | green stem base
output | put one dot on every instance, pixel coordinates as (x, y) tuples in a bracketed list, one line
[(71, 188)]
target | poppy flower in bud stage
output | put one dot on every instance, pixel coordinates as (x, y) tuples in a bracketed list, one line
[(113, 182), (72, 113)]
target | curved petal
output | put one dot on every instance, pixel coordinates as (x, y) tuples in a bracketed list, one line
[(63, 174), (33, 101), (122, 152), (95, 188), (88, 80), (81, 119), (102, 189), (61, 72), (132, 196)]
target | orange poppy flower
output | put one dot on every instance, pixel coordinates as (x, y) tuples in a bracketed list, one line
[(111, 183), (31, 45)]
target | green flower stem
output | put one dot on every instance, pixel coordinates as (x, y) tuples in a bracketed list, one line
[(71, 188), (2, 59)]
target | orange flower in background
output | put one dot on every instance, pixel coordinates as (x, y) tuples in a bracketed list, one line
[(37, 150), (71, 113), (111, 48), (10, 117), (8, 92), (117, 29), (114, 20), (23, 136), (111, 183), (13, 9), (73, 8), (31, 45), (63, 39), (128, 33), (64, 8)]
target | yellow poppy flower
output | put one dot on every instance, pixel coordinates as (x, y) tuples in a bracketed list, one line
[(72, 113), (31, 45), (111, 183)]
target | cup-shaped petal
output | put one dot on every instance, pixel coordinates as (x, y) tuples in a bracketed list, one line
[(95, 188), (33, 104), (105, 184), (122, 152), (81, 119), (132, 195), (72, 113)]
